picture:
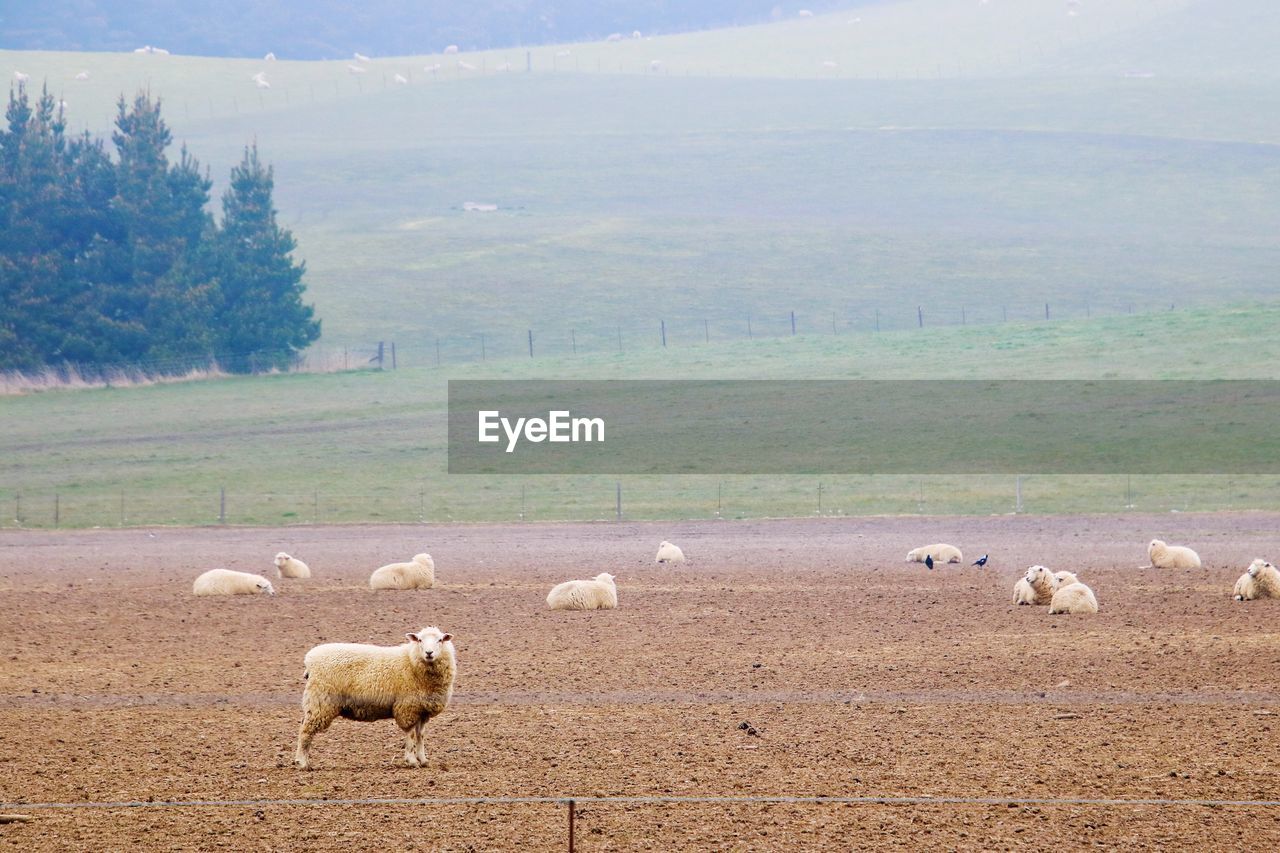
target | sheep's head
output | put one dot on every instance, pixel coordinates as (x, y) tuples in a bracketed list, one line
[(1257, 566), (265, 586), (604, 577), (1155, 546), (431, 643), (281, 559), (913, 555), (1039, 576), (425, 559)]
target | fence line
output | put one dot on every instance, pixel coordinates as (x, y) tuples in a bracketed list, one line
[(655, 800)]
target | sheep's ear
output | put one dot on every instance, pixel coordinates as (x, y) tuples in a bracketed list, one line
[(413, 638), (446, 638)]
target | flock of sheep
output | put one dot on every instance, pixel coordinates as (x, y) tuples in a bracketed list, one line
[(413, 682)]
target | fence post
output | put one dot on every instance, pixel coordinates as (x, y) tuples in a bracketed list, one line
[(619, 339), (482, 352), (531, 343), (573, 339), (381, 350), (572, 808), (522, 503), (1004, 311), (619, 484), (55, 509), (664, 331), (393, 355), (17, 507), (122, 509), (719, 498), (706, 332), (833, 323), (793, 322), (920, 316), (963, 322), (1046, 310), (877, 319), (819, 497), (749, 335), (1017, 506), (222, 505)]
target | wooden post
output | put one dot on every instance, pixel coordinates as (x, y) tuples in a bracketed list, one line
[(619, 339), (573, 339), (17, 507), (749, 335), (793, 322), (1017, 506), (482, 351), (819, 497), (1046, 310), (381, 352), (920, 316), (664, 331), (531, 343), (619, 499), (55, 509), (572, 808), (222, 505), (877, 319), (962, 317), (719, 498), (1004, 311), (122, 509), (833, 323), (393, 355), (706, 332)]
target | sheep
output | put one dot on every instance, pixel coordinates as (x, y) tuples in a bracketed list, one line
[(227, 582), (262, 83), (410, 683), (291, 567), (1065, 578), (1260, 580), (432, 68), (83, 75), (451, 49), (356, 69), (655, 65), (418, 574), (1037, 586), (668, 553), (20, 77), (614, 37), (401, 79), (805, 13), (1073, 598), (941, 553), (506, 66), (270, 57), (599, 593), (359, 57), (463, 65), (1171, 556)]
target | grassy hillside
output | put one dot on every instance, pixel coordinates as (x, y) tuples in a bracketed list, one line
[(745, 177), (371, 446)]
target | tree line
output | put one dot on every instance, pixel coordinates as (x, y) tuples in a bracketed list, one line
[(118, 260)]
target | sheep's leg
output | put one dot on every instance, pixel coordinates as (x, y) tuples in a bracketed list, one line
[(422, 741), (407, 719), (314, 721)]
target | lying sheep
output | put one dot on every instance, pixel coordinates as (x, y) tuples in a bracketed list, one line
[(1065, 578), (1035, 587), (418, 574), (410, 683), (599, 593), (1073, 598), (1171, 556), (668, 553), (291, 567), (227, 582), (1260, 580), (940, 553)]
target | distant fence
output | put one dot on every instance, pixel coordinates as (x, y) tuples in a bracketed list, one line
[(549, 498)]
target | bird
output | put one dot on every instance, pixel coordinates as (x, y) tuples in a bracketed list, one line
[(981, 561), (928, 561)]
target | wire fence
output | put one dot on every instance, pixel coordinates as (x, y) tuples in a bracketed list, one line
[(551, 498)]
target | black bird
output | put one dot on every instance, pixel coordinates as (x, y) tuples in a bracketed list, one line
[(928, 561), (981, 561)]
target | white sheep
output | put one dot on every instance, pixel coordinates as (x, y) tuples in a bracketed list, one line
[(1172, 556), (1065, 578), (262, 83), (401, 79), (614, 37), (20, 77), (359, 57), (450, 49), (270, 57), (83, 75), (356, 69), (1073, 598), (668, 553), (410, 683), (463, 65), (432, 68), (1260, 580), (506, 66), (599, 593), (1035, 587), (941, 553), (227, 582), (418, 574), (291, 567)]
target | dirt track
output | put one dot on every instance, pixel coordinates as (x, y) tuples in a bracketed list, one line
[(864, 675)]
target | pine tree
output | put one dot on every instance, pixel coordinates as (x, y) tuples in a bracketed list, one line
[(261, 318)]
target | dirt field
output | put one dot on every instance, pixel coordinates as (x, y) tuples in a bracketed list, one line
[(864, 676)]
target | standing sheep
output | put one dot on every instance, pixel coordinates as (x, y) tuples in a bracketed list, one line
[(1260, 580), (410, 683), (941, 553), (291, 567), (227, 582), (599, 593), (1074, 598), (668, 553), (418, 574), (1172, 556), (1035, 587)]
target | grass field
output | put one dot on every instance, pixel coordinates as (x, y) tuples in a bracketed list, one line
[(367, 445), (1015, 165)]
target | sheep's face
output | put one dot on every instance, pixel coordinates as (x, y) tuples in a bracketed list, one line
[(281, 559), (1156, 545), (422, 558), (265, 586), (604, 577), (1256, 568), (430, 643), (1039, 575)]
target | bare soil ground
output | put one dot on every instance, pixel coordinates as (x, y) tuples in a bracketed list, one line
[(864, 676)]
